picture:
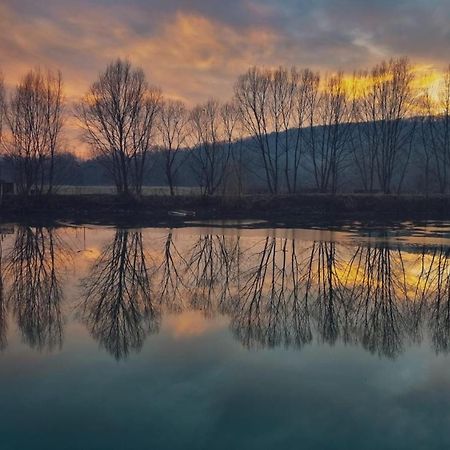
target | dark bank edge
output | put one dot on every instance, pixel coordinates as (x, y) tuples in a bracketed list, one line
[(264, 210)]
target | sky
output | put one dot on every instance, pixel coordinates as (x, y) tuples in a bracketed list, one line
[(194, 50)]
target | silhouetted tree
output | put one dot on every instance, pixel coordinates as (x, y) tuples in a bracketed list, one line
[(34, 116), (327, 140), (384, 140), (118, 116), (211, 149), (436, 131), (174, 129)]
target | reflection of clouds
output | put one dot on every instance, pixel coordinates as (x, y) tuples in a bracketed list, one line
[(191, 324)]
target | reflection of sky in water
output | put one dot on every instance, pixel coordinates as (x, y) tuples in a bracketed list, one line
[(193, 384)]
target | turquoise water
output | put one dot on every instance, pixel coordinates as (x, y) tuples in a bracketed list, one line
[(218, 338)]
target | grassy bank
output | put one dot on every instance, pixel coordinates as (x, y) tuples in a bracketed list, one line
[(289, 210)]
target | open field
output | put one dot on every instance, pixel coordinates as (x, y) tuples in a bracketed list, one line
[(111, 190)]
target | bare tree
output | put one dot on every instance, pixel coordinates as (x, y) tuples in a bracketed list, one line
[(364, 142), (294, 117), (436, 130), (34, 116), (232, 145), (118, 116), (384, 107), (252, 92), (211, 152), (329, 117), (174, 129)]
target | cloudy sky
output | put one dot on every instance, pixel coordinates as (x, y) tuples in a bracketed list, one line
[(194, 49)]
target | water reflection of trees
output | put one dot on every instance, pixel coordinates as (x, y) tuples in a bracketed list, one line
[(434, 290), (3, 309), (118, 306), (35, 292), (213, 264), (275, 291), (287, 295), (284, 292)]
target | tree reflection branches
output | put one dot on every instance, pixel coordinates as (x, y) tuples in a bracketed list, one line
[(213, 267), (35, 293), (118, 306), (434, 290), (275, 291)]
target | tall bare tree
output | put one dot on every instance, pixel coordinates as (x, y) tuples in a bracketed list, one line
[(232, 147), (174, 129), (295, 117), (34, 116), (118, 116), (436, 130), (384, 107), (252, 92), (211, 148), (327, 139), (364, 142)]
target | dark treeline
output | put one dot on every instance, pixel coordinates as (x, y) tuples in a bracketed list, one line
[(275, 290), (283, 131)]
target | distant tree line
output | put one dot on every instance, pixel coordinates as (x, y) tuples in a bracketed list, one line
[(283, 131)]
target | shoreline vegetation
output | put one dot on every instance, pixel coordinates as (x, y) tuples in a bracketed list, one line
[(261, 210)]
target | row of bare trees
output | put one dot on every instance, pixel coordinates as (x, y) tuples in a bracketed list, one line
[(283, 125), (293, 115)]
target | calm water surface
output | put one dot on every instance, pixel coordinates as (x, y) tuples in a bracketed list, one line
[(224, 338)]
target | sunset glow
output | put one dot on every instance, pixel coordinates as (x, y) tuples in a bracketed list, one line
[(208, 45)]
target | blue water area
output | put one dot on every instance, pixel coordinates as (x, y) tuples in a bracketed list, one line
[(214, 338)]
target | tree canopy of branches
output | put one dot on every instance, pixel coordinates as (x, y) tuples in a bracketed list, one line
[(118, 116), (34, 117)]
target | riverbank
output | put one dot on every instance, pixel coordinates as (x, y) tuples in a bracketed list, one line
[(280, 210)]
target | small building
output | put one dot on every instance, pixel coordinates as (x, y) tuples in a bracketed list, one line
[(6, 187)]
